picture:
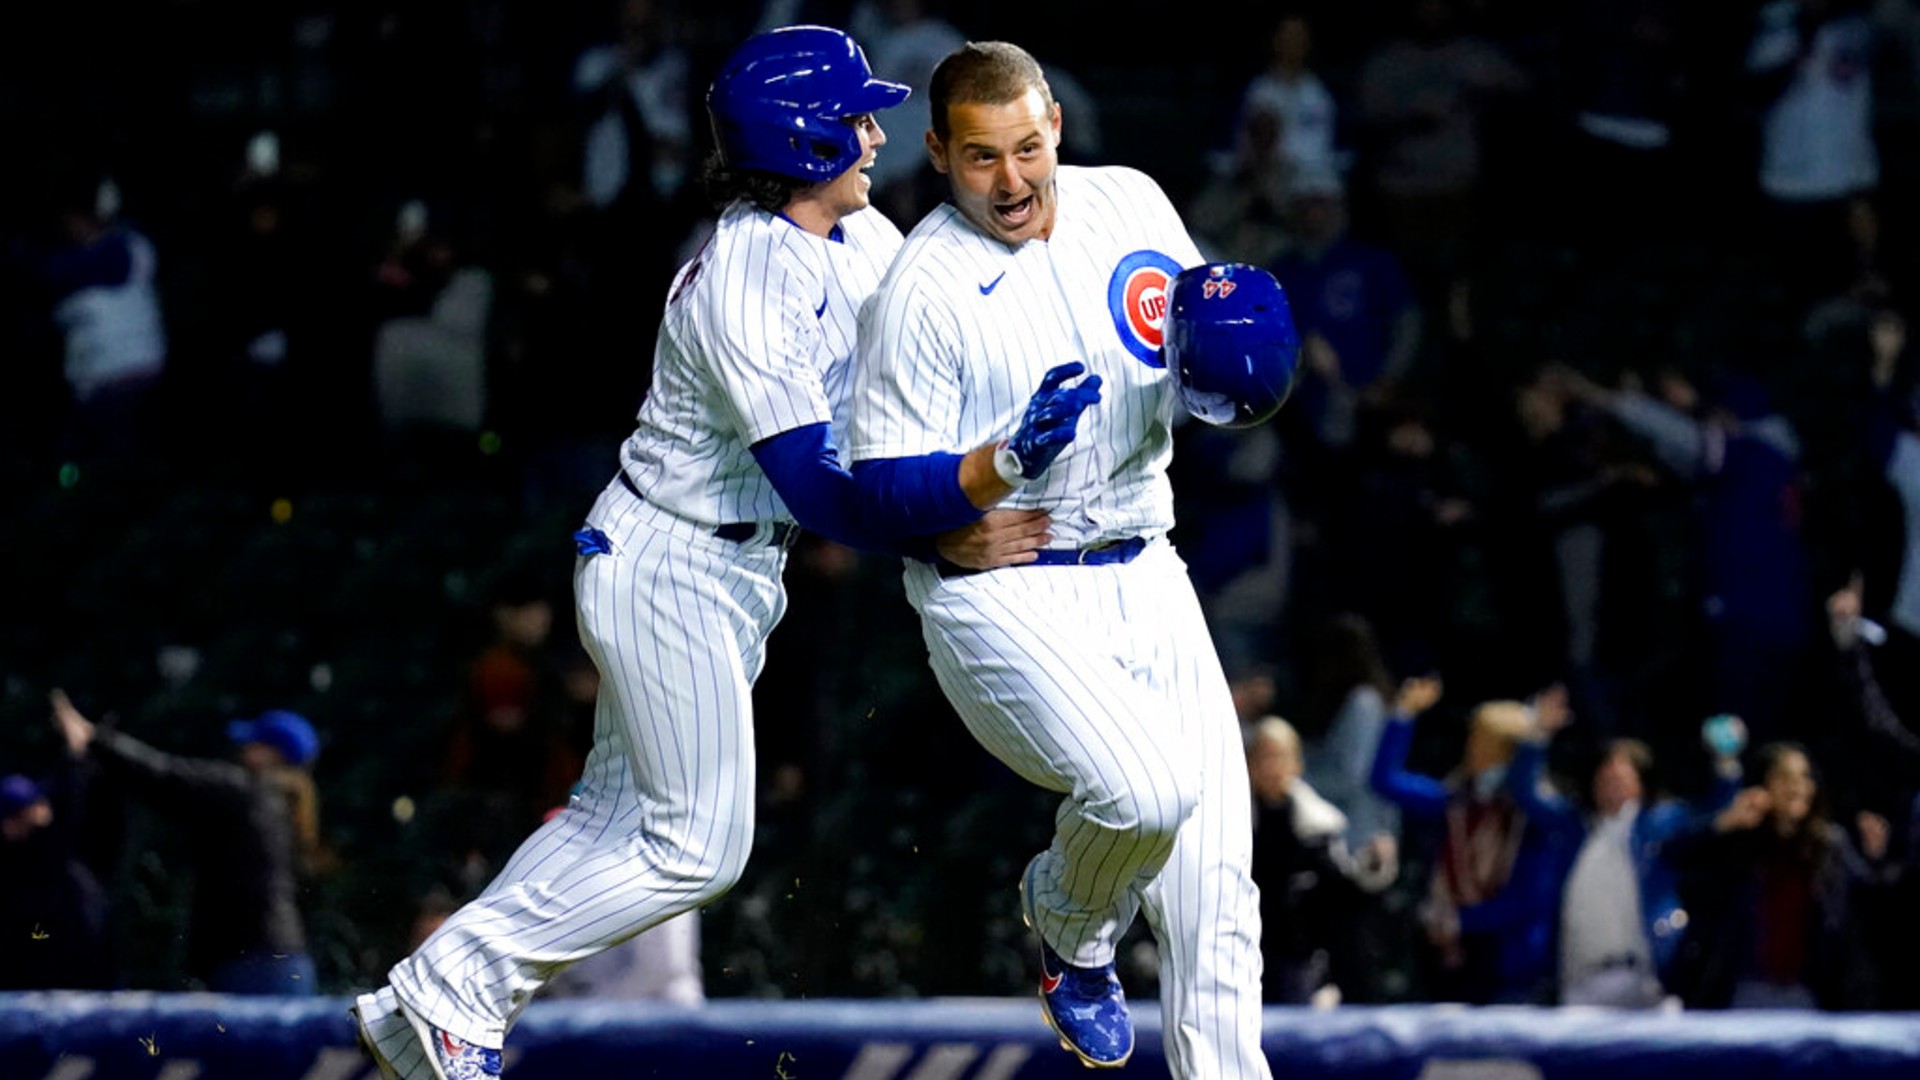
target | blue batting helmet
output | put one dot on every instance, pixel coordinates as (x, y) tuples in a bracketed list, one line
[(780, 102), (1230, 343)]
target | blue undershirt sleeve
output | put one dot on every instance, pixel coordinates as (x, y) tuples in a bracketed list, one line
[(895, 510), (915, 496)]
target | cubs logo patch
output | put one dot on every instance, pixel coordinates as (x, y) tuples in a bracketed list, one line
[(1137, 299)]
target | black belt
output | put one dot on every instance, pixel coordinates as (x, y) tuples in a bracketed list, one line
[(783, 534), (1111, 551)]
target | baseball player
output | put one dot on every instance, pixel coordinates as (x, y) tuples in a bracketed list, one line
[(678, 577), (1089, 670)]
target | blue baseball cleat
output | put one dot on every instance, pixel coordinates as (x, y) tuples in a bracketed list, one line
[(1085, 1007), (452, 1058)]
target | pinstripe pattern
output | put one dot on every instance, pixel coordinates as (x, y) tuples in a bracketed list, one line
[(1097, 682), (743, 355), (757, 339), (943, 367), (663, 818)]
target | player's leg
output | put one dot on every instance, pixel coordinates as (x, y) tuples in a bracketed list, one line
[(1203, 906), (1028, 662), (663, 818)]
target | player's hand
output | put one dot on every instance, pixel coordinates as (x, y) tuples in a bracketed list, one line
[(1052, 412), (1000, 538), (74, 728)]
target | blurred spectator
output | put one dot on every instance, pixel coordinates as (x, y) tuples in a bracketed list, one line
[(515, 753), (1288, 96), (1359, 318), (1405, 534), (1626, 86), (1239, 213), (252, 827), (54, 932), (263, 281), (1236, 535), (1422, 96), (1313, 890), (1493, 900), (1893, 743), (1812, 65), (1741, 458), (637, 103), (1621, 920), (904, 39), (1569, 488), (638, 145), (1889, 754), (1893, 439), (1346, 703), (430, 350), (1772, 885), (99, 281)]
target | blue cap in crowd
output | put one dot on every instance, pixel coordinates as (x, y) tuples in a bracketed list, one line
[(17, 793), (287, 732)]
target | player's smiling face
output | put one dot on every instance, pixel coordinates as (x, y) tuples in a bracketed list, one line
[(1000, 160), (820, 207), (850, 191)]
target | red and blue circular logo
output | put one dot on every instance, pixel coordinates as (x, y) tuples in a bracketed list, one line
[(1137, 298)]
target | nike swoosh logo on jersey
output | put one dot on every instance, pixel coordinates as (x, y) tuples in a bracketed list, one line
[(1050, 983), (822, 309), (991, 285)]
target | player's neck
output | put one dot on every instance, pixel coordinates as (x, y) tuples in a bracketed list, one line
[(814, 217)]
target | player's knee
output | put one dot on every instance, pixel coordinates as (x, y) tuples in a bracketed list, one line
[(701, 863), (1150, 812)]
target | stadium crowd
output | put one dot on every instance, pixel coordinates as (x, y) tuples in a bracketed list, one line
[(1585, 555)]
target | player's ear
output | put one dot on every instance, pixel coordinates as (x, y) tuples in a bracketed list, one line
[(1054, 124), (936, 152)]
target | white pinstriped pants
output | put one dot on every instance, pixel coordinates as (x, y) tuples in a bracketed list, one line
[(1102, 683), (677, 621)]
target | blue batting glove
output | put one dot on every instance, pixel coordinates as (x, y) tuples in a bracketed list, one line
[(1048, 425)]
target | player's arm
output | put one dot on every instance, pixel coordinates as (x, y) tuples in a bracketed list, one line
[(824, 498), (931, 493)]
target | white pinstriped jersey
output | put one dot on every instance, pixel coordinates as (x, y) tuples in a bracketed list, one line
[(756, 340), (963, 329), (1096, 682)]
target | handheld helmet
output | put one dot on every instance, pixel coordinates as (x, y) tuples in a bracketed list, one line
[(1230, 343), (780, 102)]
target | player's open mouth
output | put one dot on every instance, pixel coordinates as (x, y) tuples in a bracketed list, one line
[(1016, 213)]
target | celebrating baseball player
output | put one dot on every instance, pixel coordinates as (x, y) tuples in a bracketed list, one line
[(1090, 670), (678, 576)]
